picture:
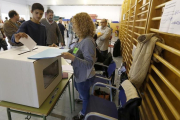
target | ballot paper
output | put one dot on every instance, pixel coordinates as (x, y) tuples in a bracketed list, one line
[(167, 16), (175, 22), (28, 42), (49, 53), (67, 68)]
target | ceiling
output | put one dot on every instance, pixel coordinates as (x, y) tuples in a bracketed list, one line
[(71, 2)]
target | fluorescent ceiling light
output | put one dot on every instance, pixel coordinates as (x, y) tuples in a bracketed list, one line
[(54, 2)]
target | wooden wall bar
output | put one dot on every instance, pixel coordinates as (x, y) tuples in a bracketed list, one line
[(160, 90)]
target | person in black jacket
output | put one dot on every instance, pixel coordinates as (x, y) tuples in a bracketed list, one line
[(62, 29)]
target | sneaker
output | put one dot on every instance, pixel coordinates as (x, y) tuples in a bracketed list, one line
[(78, 101), (78, 117)]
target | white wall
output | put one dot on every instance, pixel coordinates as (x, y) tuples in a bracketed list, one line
[(109, 12), (21, 8)]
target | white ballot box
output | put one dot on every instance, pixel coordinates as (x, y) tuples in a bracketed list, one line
[(26, 81)]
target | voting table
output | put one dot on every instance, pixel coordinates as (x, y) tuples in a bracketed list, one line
[(48, 105)]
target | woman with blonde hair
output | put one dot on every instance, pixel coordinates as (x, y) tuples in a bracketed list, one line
[(83, 57)]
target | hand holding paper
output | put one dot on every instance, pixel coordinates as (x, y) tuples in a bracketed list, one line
[(27, 41), (20, 35), (67, 55)]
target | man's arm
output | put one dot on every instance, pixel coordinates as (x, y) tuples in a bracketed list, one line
[(9, 30), (106, 35), (22, 29)]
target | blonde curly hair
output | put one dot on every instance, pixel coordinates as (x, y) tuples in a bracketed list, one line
[(83, 25)]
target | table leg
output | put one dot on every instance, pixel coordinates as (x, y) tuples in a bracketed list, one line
[(9, 114), (44, 117), (70, 96), (73, 91)]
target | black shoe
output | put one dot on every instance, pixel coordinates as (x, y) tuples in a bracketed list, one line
[(78, 101), (78, 117)]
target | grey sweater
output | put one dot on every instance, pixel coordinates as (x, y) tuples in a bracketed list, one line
[(85, 57), (53, 32)]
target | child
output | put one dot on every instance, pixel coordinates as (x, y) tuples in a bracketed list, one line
[(33, 27)]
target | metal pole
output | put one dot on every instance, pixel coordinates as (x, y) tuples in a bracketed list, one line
[(44, 117), (9, 114), (73, 91), (70, 96)]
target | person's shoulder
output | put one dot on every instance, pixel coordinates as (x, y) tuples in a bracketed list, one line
[(25, 23), (108, 28), (7, 23), (89, 40), (42, 25), (43, 20)]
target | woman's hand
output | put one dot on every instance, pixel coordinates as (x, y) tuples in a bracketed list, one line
[(20, 35), (53, 45), (67, 55)]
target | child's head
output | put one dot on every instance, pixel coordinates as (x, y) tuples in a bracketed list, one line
[(37, 11)]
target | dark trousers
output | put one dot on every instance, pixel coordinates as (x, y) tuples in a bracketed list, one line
[(104, 53), (63, 39), (4, 47), (84, 88)]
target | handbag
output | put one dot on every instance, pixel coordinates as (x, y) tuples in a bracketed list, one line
[(102, 94)]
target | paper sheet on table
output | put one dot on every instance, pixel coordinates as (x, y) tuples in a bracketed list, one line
[(167, 16), (67, 68), (175, 22), (28, 42), (68, 61), (49, 53)]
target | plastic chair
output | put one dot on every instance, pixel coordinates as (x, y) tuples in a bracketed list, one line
[(129, 100), (109, 79)]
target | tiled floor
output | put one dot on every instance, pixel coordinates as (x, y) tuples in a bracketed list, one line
[(62, 109)]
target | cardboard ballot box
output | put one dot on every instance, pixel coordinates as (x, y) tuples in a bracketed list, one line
[(25, 81)]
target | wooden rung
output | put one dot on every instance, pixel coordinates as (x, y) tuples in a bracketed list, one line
[(144, 5), (133, 12), (168, 48), (136, 33), (130, 26), (156, 18), (167, 64), (129, 40), (131, 21), (133, 6), (150, 106), (135, 40), (157, 103), (156, 30), (129, 30), (168, 84), (166, 100), (143, 12), (141, 20), (140, 27), (132, 16), (139, 1), (129, 35), (161, 5)]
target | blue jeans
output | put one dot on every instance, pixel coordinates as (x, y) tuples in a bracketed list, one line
[(84, 88)]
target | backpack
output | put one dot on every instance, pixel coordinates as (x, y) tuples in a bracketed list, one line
[(116, 49)]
